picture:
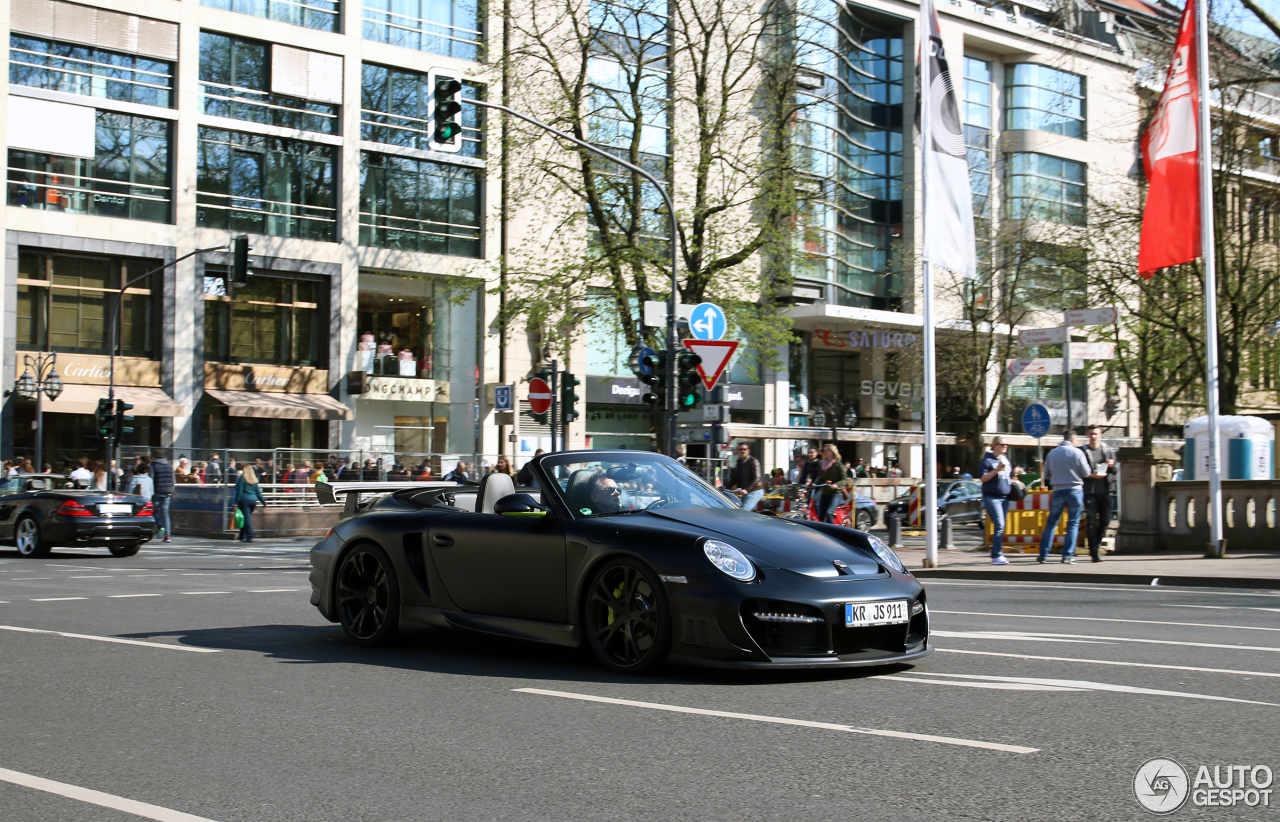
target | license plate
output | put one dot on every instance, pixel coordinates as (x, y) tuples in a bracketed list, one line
[(112, 509), (862, 614)]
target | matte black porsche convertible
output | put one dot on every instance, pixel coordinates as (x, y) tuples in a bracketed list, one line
[(41, 511), (628, 552)]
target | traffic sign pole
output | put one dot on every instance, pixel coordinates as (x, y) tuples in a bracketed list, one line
[(1066, 369), (555, 402)]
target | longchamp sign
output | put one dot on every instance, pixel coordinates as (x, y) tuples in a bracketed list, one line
[(406, 388)]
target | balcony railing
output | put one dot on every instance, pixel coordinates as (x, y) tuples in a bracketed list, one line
[(76, 194)]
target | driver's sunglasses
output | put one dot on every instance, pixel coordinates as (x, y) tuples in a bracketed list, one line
[(614, 490)]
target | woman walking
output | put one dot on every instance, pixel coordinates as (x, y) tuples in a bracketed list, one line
[(830, 474), (247, 495), (502, 466)]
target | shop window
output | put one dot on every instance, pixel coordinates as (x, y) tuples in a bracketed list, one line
[(1040, 98), (449, 27), (64, 302), (269, 321), (405, 325), (1040, 187), (396, 109), (419, 205), (270, 84), (258, 435), (266, 185), (80, 69), (321, 15), (128, 176)]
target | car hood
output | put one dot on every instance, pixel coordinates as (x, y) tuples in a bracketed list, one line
[(777, 542)]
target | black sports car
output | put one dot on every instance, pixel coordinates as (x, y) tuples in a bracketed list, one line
[(41, 511), (628, 552)]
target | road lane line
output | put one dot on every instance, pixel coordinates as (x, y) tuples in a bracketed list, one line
[(1085, 685), (92, 797), (26, 579), (994, 686), (198, 593), (134, 576), (777, 720), (197, 575), (1110, 662), (1114, 588), (1224, 608), (58, 599), (99, 576), (278, 591), (113, 639), (250, 573), (131, 596), (1014, 635), (1134, 621)]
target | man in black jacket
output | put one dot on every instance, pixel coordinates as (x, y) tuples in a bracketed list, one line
[(1097, 489), (747, 478), (162, 478)]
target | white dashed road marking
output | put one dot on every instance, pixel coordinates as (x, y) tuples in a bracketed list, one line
[(1019, 635), (113, 639), (278, 591), (198, 593), (1111, 662), (777, 720), (1134, 621), (58, 599), (131, 596), (93, 797), (1068, 685)]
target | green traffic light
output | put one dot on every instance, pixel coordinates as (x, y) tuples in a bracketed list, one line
[(447, 131)]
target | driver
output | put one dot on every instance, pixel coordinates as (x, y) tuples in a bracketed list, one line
[(605, 495)]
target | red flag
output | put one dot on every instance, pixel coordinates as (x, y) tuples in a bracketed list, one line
[(1171, 220)]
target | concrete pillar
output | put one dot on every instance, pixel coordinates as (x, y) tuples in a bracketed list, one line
[(1140, 470)]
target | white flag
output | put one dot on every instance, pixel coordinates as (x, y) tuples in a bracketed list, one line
[(948, 205)]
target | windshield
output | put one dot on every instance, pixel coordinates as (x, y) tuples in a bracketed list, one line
[(614, 485)]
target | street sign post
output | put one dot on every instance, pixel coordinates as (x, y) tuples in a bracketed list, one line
[(707, 322), (1040, 366), (636, 362), (504, 397), (1092, 316), (715, 356), (539, 395), (1093, 351), (1042, 336), (1036, 420)]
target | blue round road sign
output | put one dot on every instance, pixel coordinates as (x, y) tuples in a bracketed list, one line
[(637, 360), (706, 322), (1035, 420)]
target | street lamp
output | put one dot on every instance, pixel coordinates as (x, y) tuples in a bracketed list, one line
[(840, 410), (44, 383)]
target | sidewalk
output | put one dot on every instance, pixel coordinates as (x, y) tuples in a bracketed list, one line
[(1255, 569)]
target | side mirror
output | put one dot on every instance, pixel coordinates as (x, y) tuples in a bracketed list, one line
[(519, 505)]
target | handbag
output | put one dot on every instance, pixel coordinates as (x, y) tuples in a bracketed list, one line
[(1017, 490), (237, 519)]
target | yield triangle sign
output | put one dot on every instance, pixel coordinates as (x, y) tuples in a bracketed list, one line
[(715, 356)]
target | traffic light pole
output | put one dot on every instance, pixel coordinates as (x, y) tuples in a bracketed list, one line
[(669, 427), (555, 402), (111, 368)]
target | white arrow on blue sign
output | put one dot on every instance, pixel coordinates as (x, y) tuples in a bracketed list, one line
[(707, 322), (1036, 420)]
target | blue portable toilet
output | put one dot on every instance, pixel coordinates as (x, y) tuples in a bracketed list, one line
[(1246, 448)]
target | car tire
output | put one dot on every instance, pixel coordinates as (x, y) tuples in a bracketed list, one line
[(126, 550), (367, 596), (864, 520), (26, 536), (627, 617)]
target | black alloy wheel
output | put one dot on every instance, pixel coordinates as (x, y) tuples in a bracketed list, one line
[(368, 596), (627, 619), (27, 538), (127, 549)]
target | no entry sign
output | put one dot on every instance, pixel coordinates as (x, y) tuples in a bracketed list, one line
[(539, 395)]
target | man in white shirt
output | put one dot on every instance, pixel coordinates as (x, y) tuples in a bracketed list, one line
[(82, 475)]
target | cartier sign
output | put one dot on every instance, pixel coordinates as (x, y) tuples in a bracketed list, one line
[(266, 378), (406, 388), (85, 370)]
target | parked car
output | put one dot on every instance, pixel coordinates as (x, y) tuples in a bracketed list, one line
[(866, 512), (958, 500), (39, 512)]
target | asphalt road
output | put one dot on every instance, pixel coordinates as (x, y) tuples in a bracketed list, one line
[(234, 700)]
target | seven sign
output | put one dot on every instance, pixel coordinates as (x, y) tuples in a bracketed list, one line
[(539, 395)]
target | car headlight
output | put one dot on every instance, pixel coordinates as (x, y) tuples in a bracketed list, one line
[(729, 560), (886, 553)]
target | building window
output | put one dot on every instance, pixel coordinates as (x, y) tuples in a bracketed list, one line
[(1044, 99), (128, 176), (269, 321), (1045, 277), (419, 205), (64, 304), (405, 323), (1040, 187), (266, 185), (86, 70), (978, 134), (396, 106), (237, 79), (449, 27), (313, 14)]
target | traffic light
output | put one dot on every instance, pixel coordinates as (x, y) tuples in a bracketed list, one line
[(240, 249), (656, 379), (446, 128), (103, 418), (123, 419), (568, 397), (687, 379)]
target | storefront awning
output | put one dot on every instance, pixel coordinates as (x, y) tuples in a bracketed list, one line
[(784, 432), (83, 399), (281, 406)]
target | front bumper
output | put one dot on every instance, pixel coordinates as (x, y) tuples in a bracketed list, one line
[(100, 531), (714, 621)]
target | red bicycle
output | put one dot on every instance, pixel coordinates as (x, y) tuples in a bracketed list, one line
[(806, 506)]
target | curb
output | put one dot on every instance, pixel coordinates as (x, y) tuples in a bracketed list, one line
[(1107, 579)]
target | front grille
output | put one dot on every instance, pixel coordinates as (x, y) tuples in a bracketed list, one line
[(874, 638), (786, 628)]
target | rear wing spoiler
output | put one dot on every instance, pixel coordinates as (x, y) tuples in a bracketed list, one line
[(335, 493)]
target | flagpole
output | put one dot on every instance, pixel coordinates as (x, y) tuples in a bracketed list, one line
[(1217, 545), (930, 500)]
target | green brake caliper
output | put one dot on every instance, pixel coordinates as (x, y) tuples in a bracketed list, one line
[(617, 594)]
